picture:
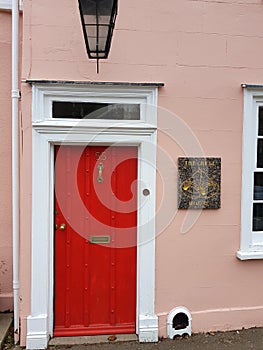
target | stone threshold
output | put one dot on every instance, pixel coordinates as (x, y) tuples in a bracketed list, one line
[(92, 339)]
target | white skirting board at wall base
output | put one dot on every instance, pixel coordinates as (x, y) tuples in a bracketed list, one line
[(148, 328), (36, 338)]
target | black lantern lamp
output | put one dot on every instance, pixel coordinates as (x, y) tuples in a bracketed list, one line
[(98, 20)]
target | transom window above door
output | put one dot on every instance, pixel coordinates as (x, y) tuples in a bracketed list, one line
[(95, 104), (94, 110)]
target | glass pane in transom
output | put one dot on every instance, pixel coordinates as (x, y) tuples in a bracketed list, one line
[(92, 110)]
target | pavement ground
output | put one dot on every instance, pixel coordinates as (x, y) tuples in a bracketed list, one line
[(6, 320), (245, 339)]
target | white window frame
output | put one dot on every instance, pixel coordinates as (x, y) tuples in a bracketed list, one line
[(7, 5), (251, 246), (46, 132)]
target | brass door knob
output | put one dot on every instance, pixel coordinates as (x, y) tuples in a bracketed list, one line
[(62, 227)]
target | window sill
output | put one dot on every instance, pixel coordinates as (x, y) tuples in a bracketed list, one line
[(249, 255)]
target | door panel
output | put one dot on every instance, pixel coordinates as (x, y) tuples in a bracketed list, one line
[(95, 284)]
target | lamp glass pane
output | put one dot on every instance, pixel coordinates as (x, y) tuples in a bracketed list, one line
[(89, 19), (92, 44), (101, 54), (88, 7), (103, 19), (105, 7), (102, 44), (97, 7), (103, 32), (91, 32)]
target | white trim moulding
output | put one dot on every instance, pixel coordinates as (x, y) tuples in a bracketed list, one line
[(45, 134), (7, 5)]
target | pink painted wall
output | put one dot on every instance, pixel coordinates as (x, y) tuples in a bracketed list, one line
[(202, 51), (6, 302)]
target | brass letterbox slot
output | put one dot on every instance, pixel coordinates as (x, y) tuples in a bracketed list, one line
[(99, 239)]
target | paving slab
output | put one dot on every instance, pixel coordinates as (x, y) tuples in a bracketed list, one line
[(6, 320), (97, 339)]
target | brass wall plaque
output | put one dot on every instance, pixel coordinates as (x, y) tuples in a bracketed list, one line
[(199, 183)]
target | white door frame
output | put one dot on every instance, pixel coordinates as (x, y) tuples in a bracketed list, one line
[(46, 132)]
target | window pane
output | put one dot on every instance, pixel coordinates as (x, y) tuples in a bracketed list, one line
[(258, 185), (91, 33), (79, 110), (260, 121), (257, 217), (260, 154)]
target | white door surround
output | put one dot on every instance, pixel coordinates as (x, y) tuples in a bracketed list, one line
[(47, 132)]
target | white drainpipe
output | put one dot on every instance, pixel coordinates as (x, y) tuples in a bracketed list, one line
[(15, 162)]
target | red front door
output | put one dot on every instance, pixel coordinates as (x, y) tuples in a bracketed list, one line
[(95, 240)]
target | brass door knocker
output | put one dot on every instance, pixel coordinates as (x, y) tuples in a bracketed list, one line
[(100, 168)]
